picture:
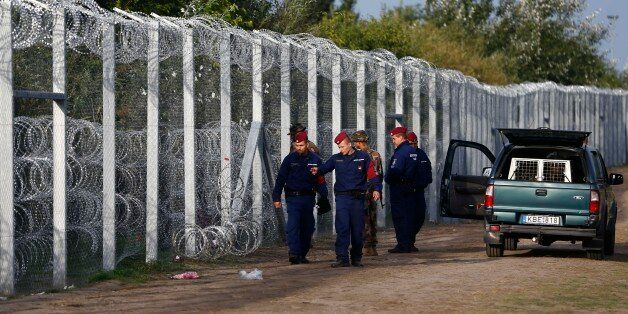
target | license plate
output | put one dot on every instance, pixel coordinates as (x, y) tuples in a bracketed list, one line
[(541, 220)]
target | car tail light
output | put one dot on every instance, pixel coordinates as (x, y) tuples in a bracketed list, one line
[(594, 203), (494, 228), (488, 196)]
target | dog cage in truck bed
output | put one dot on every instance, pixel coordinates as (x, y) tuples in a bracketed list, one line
[(534, 169)]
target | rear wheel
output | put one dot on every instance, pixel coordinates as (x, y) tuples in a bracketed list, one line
[(609, 240), (494, 250), (546, 242), (510, 243), (595, 254)]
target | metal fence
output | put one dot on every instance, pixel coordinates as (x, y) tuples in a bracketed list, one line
[(150, 136)]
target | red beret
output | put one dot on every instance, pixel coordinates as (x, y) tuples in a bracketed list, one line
[(412, 137), (398, 130), (300, 137), (340, 137)]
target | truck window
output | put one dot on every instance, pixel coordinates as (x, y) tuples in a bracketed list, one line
[(546, 164)]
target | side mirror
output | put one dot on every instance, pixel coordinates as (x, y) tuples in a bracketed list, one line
[(486, 171), (615, 179)]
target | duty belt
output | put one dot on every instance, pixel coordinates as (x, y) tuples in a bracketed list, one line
[(356, 193), (300, 193)]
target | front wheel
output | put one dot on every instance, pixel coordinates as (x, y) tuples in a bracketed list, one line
[(494, 250), (595, 254)]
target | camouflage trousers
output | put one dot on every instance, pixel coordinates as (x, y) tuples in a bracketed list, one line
[(370, 222)]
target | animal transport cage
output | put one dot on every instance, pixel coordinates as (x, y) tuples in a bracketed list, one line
[(548, 170)]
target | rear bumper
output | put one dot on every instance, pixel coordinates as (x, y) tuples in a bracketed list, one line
[(545, 230), (558, 233)]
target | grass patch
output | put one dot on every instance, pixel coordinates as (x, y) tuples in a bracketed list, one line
[(136, 270), (583, 293)]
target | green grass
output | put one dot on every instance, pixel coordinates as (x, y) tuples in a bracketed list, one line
[(136, 270), (583, 293)]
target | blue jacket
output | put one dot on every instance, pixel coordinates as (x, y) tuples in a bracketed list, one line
[(424, 172), (403, 166), (352, 171), (294, 175)]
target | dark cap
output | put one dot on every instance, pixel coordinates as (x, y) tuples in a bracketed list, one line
[(295, 128), (359, 136)]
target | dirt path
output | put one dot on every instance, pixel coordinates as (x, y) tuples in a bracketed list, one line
[(451, 273)]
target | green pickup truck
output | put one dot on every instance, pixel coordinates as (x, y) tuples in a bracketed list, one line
[(545, 185)]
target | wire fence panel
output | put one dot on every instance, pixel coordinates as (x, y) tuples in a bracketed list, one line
[(165, 158)]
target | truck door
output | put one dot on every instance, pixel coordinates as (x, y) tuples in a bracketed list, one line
[(463, 184)]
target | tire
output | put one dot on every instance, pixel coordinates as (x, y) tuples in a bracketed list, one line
[(545, 242), (494, 250), (609, 240), (510, 243), (595, 255)]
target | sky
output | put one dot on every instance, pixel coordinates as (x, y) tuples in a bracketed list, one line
[(616, 46)]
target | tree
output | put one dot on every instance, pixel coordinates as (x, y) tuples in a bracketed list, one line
[(473, 15), (549, 41)]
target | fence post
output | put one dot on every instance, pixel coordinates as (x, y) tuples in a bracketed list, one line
[(312, 95), (225, 129), (361, 94), (399, 93), (381, 134), (336, 119), (522, 106), (285, 100), (596, 124), (59, 152), (625, 132), (431, 151), (446, 110), (416, 107), (7, 252), (189, 135), (152, 144), (258, 182), (109, 148)]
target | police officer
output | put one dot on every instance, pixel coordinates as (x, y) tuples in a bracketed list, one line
[(401, 176), (413, 140), (298, 127), (353, 169), (300, 186), (423, 179), (360, 141)]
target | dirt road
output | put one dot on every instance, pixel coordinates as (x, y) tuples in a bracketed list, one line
[(450, 273)]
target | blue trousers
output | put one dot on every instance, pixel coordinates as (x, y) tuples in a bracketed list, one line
[(349, 226), (404, 215), (419, 217), (300, 224)]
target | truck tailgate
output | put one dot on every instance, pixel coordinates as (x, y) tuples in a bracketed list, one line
[(541, 197)]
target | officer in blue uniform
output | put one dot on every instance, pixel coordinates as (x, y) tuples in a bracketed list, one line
[(423, 179), (401, 177), (300, 186), (353, 168)]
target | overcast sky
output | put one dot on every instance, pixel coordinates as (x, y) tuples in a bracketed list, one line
[(616, 45)]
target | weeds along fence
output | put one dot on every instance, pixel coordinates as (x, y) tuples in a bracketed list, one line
[(150, 136)]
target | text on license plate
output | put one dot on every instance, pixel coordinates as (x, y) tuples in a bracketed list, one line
[(541, 220)]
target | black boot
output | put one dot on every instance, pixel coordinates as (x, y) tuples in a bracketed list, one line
[(413, 248), (340, 263), (357, 263), (399, 249), (304, 260), (294, 259)]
